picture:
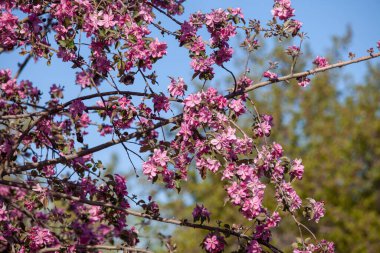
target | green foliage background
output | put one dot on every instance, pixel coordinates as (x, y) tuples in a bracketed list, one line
[(334, 126)]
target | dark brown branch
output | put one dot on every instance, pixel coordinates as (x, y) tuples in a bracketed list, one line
[(139, 133), (22, 66), (164, 30), (165, 13), (67, 158)]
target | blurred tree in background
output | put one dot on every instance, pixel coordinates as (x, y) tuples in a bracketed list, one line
[(334, 125)]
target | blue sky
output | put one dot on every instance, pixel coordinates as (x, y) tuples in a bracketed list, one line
[(321, 20)]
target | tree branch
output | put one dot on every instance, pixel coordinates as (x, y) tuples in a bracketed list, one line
[(139, 133), (182, 223), (302, 74)]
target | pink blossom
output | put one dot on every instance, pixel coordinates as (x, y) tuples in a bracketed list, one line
[(145, 13), (213, 243), (315, 210), (105, 129), (282, 9), (244, 171), (192, 100), (84, 79), (236, 192), (177, 87), (271, 76), (215, 17), (84, 120), (198, 46), (150, 169), (160, 157), (237, 106), (297, 169), (56, 91), (303, 81), (273, 221), (236, 12), (202, 64), (263, 127), (211, 164), (95, 213), (320, 62), (106, 19), (223, 55), (327, 247), (40, 237), (157, 49), (49, 170), (286, 193), (277, 150), (228, 173), (124, 102), (244, 82), (3, 214)]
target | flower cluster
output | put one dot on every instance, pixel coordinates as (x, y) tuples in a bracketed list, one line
[(303, 81), (270, 75), (323, 247), (320, 62), (282, 9), (220, 26), (109, 42)]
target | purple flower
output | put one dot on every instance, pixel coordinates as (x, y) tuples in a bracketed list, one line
[(201, 213), (76, 108), (254, 247), (120, 185), (161, 102)]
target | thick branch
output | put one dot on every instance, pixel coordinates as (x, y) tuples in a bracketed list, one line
[(66, 159), (139, 133)]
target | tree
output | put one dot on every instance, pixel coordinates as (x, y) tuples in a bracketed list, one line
[(338, 172), (56, 196)]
